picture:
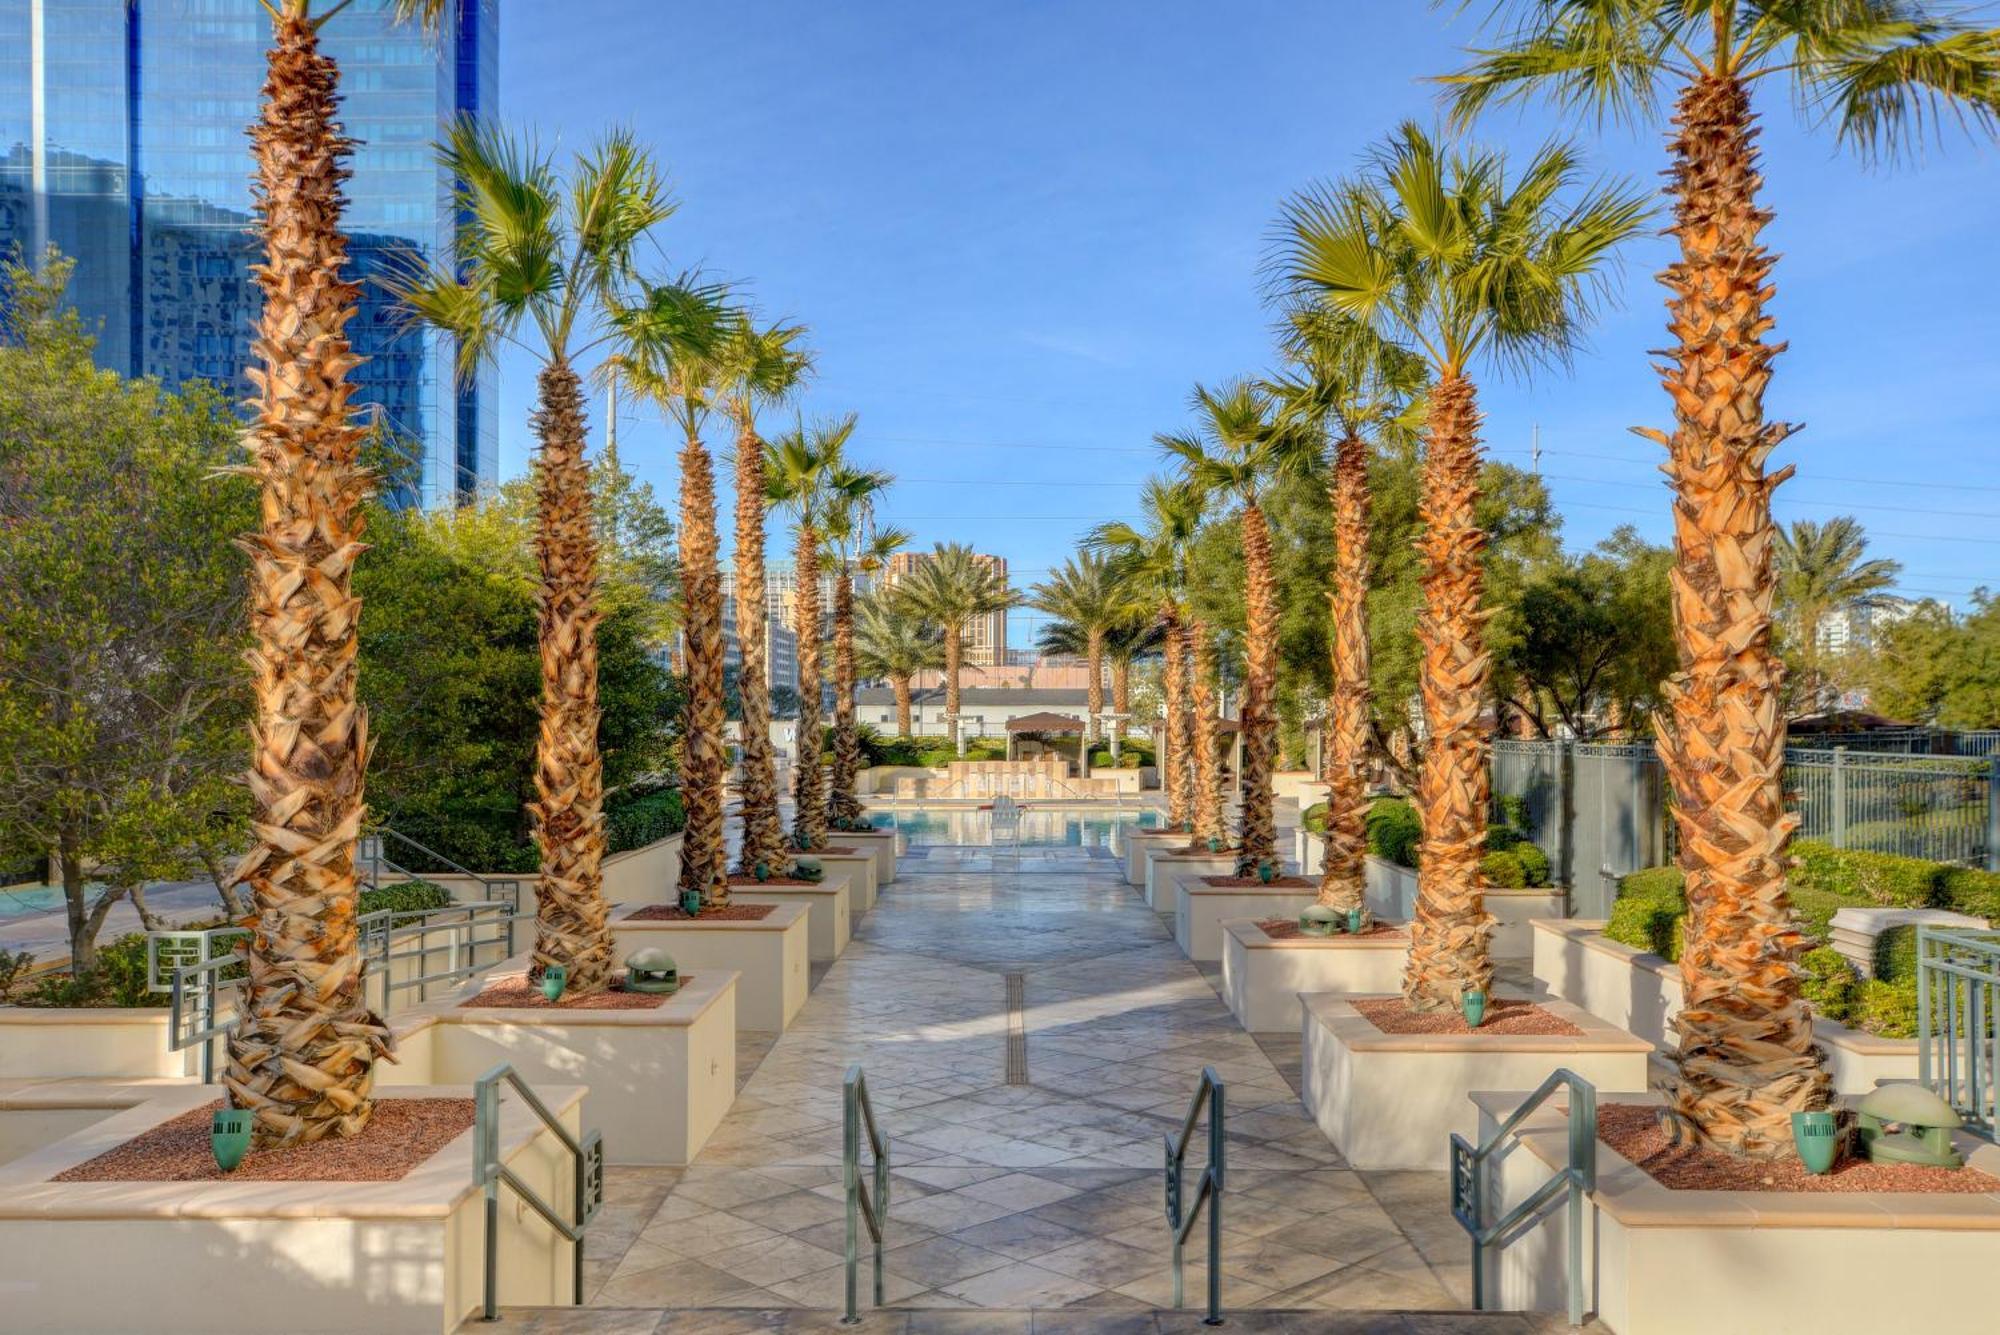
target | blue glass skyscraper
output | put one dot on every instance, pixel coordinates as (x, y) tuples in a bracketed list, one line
[(122, 143)]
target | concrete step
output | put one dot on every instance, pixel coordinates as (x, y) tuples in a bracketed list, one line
[(991, 1321)]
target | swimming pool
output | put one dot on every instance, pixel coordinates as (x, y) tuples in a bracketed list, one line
[(1046, 827), (25, 901)]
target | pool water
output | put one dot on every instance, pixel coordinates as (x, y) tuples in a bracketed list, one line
[(25, 901), (1047, 828)]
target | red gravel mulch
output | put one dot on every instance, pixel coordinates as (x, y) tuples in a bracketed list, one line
[(1285, 929), (1202, 851), (401, 1134), (779, 882), (1252, 883), (519, 994), (1635, 1131), (675, 913), (1392, 1015), (849, 851)]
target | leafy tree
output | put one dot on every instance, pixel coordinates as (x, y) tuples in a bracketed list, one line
[(1876, 69), (122, 699), (1824, 569)]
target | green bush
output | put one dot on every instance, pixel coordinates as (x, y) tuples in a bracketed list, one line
[(1394, 831), (1500, 838), (118, 980), (1829, 983), (1887, 1008), (1534, 862), (1503, 871), (1896, 955), (1864, 878), (1648, 923), (1652, 883), (1970, 891), (1814, 909), (404, 897), (647, 817), (1514, 810), (1313, 818)]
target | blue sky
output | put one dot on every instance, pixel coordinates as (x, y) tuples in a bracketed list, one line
[(1020, 232)]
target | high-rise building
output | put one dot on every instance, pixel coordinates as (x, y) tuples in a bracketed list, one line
[(986, 637), (781, 593), (122, 143), (781, 647)]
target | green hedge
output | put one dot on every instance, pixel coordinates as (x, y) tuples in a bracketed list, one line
[(643, 819), (1649, 912), (1313, 818), (1394, 831), (405, 897)]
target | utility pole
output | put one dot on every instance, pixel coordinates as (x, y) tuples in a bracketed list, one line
[(1534, 450), (611, 421)]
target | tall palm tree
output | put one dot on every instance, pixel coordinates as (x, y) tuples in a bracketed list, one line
[(763, 366), (540, 265), (796, 477), (1350, 385), (891, 643), (1439, 251), (950, 588), (1152, 557), (1086, 593), (854, 543), (1876, 69), (1235, 451), (680, 338), (1124, 643), (303, 1058), (1822, 569)]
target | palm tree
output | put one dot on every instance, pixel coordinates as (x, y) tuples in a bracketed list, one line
[(1350, 384), (1086, 593), (681, 336), (539, 267), (1152, 558), (1124, 643), (1875, 68), (856, 546), (1437, 250), (302, 1059), (1821, 570), (796, 469), (1235, 451), (763, 366), (950, 588), (891, 643)]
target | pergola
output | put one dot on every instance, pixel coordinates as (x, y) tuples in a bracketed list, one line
[(1047, 724)]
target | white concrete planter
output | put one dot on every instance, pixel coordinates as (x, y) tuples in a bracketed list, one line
[(1309, 851), (858, 867), (1393, 1100), (36, 1113), (881, 844), (1166, 865), (336, 1257), (831, 925), (770, 956), (649, 874), (1137, 842), (1392, 896), (1262, 977), (1640, 993), (1201, 908), (1302, 785), (1664, 1262), (100, 1042), (659, 1079)]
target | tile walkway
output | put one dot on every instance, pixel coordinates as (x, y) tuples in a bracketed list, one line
[(1040, 1203)]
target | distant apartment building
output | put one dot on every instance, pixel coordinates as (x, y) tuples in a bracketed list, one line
[(986, 637), (781, 594), (1853, 628), (781, 646)]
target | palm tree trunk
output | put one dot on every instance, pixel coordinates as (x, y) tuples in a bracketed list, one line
[(1342, 882), (704, 763), (1207, 769), (763, 830), (1259, 844), (303, 1058), (954, 655), (1121, 686), (1094, 689), (1448, 939), (901, 686), (808, 783), (1175, 775), (843, 806), (1746, 1059)]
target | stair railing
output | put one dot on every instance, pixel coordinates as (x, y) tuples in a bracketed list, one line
[(1208, 1192), (1576, 1179), (489, 1174), (864, 1206)]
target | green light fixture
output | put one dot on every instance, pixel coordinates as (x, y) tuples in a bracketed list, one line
[(652, 970)]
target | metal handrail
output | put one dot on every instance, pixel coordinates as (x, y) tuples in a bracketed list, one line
[(862, 1206), (195, 1007), (489, 1174), (1958, 1022), (1208, 1193), (370, 860), (1577, 1178)]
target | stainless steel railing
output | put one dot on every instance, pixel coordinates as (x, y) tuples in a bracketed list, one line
[(864, 1207), (489, 1174), (1576, 1179), (1208, 1192)]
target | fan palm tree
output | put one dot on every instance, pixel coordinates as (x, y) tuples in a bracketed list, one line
[(539, 266), (1152, 558), (891, 643), (1876, 69), (762, 366), (1235, 451), (1437, 250), (1086, 593), (855, 546), (1822, 569), (680, 337), (1124, 643), (302, 1060), (1349, 384), (950, 588), (796, 477)]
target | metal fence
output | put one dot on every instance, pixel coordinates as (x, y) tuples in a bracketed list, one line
[(1958, 1022), (1600, 810)]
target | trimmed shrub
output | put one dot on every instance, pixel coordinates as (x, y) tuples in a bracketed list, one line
[(404, 897), (1534, 862), (1896, 955), (1969, 890), (1864, 878), (1888, 1009), (1394, 831), (1503, 871), (1829, 983), (645, 818), (1814, 909), (1653, 883), (1647, 923), (1313, 818), (1513, 810), (1500, 838)]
